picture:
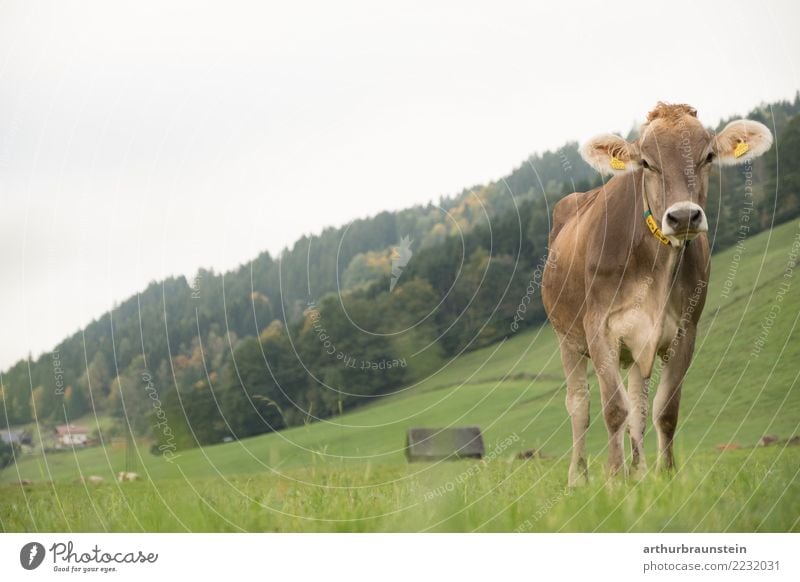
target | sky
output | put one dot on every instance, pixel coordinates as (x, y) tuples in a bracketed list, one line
[(149, 139)]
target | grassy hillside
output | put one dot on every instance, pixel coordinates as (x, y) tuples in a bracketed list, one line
[(350, 473)]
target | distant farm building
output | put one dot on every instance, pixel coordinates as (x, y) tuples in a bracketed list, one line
[(70, 435)]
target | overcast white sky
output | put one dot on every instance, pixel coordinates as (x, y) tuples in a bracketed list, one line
[(154, 138)]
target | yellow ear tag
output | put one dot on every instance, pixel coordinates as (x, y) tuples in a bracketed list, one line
[(740, 150), (617, 164)]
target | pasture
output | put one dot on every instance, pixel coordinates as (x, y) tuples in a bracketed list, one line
[(349, 473), (745, 490)]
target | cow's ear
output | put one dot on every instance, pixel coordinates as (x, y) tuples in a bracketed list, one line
[(610, 154), (740, 141)]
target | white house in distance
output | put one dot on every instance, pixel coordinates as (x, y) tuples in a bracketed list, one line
[(71, 435)]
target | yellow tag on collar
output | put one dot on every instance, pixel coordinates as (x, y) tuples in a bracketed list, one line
[(740, 150), (653, 226), (617, 164)]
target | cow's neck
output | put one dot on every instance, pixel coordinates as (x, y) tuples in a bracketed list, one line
[(664, 260), (659, 266)]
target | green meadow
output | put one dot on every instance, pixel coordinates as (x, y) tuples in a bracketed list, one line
[(349, 473)]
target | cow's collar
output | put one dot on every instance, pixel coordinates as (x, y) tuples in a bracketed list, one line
[(651, 223)]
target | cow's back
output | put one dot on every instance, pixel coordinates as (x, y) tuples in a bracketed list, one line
[(567, 208)]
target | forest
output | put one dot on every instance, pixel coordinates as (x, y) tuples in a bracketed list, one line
[(342, 317)]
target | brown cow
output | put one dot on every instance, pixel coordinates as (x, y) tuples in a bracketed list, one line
[(624, 284)]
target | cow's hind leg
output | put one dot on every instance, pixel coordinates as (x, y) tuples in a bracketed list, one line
[(637, 418), (578, 400)]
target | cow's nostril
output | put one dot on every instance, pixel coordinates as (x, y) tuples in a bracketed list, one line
[(672, 220), (696, 217)]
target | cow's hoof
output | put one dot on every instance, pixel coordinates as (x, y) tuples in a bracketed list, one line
[(638, 472), (616, 473), (578, 473)]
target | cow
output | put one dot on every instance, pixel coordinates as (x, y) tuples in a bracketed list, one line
[(627, 273)]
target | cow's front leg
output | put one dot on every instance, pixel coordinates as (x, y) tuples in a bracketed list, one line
[(605, 356), (668, 396), (638, 398)]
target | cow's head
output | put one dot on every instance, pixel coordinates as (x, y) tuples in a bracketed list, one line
[(672, 158)]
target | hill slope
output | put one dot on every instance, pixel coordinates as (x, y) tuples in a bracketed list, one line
[(734, 393)]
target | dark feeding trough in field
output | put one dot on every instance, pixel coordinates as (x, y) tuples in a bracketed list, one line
[(434, 444)]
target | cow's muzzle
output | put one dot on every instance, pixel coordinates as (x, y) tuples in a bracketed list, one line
[(684, 221)]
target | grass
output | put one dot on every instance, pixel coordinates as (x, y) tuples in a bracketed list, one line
[(350, 474), (745, 490)]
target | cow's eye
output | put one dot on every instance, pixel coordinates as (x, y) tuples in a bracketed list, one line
[(710, 158), (645, 165)]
